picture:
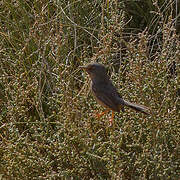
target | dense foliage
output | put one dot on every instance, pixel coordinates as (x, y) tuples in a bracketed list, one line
[(47, 125)]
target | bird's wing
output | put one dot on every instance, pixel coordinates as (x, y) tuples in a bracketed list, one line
[(108, 96)]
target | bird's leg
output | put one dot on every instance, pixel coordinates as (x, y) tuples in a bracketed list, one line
[(112, 119), (101, 114)]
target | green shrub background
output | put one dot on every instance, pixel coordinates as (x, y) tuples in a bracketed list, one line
[(47, 125)]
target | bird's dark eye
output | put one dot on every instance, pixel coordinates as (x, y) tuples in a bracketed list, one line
[(91, 67)]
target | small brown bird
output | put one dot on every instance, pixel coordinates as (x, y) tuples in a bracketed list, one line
[(105, 92)]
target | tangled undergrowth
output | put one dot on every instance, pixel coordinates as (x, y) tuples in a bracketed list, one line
[(47, 125)]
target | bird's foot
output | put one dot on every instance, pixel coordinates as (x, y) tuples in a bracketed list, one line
[(99, 115), (112, 119)]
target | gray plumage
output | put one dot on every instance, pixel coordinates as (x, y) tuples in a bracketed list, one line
[(105, 92)]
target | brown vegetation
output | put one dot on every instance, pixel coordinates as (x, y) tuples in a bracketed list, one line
[(47, 127)]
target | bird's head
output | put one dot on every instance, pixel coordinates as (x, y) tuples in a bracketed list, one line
[(95, 71)]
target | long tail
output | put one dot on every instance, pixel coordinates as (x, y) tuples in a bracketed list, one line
[(137, 107)]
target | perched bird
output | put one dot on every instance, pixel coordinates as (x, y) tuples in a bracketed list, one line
[(105, 92)]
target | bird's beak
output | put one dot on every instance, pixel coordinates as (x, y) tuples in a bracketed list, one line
[(83, 67)]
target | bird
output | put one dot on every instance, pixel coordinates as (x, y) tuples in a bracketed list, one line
[(106, 93)]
